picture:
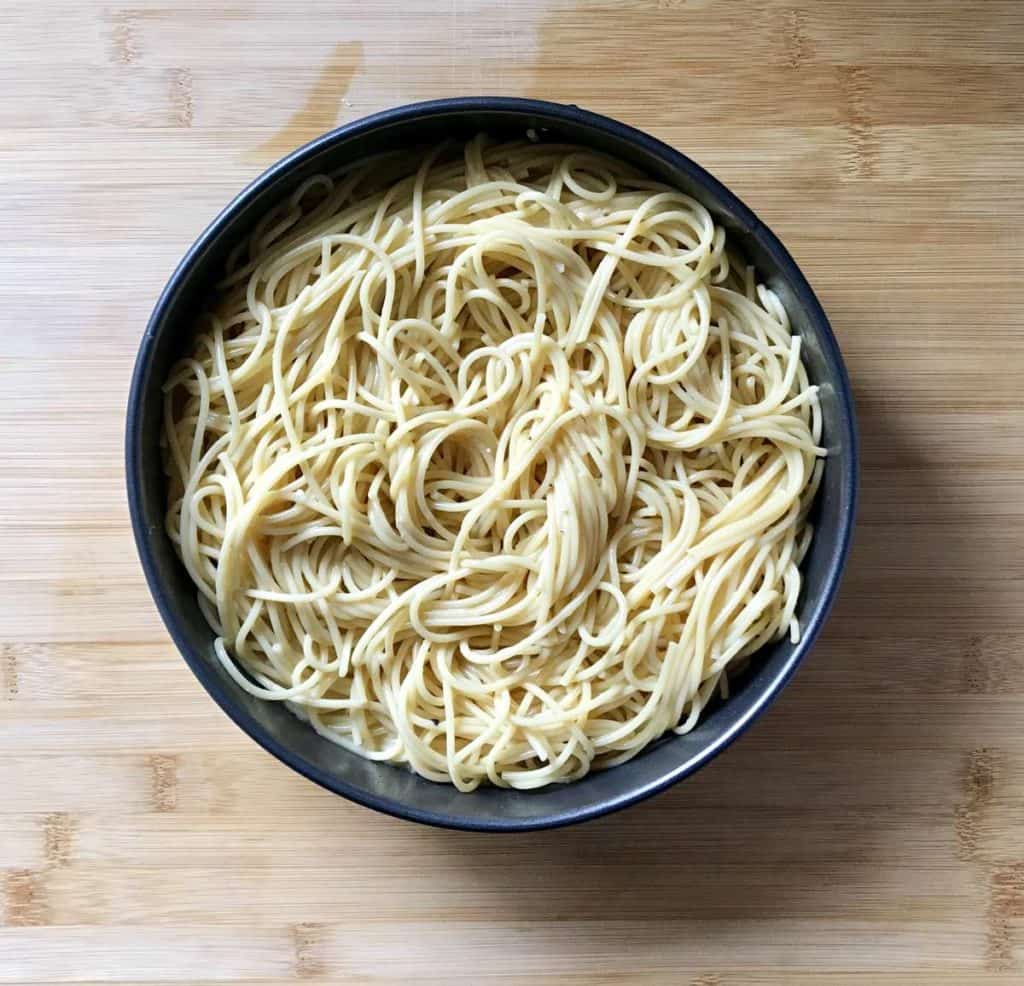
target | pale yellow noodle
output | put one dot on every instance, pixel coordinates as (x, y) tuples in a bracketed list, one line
[(492, 464)]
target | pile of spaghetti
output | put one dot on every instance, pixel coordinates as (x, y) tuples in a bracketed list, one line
[(492, 465)]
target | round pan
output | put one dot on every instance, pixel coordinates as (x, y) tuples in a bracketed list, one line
[(392, 789)]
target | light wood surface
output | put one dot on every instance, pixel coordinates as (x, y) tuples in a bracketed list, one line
[(868, 829)]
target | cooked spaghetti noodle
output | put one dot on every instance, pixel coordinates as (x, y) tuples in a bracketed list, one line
[(494, 465)]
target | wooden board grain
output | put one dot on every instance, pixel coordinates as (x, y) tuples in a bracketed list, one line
[(868, 830)]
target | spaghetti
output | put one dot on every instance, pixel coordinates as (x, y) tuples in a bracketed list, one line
[(494, 467)]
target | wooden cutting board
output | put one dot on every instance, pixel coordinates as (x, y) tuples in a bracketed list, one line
[(868, 829)]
